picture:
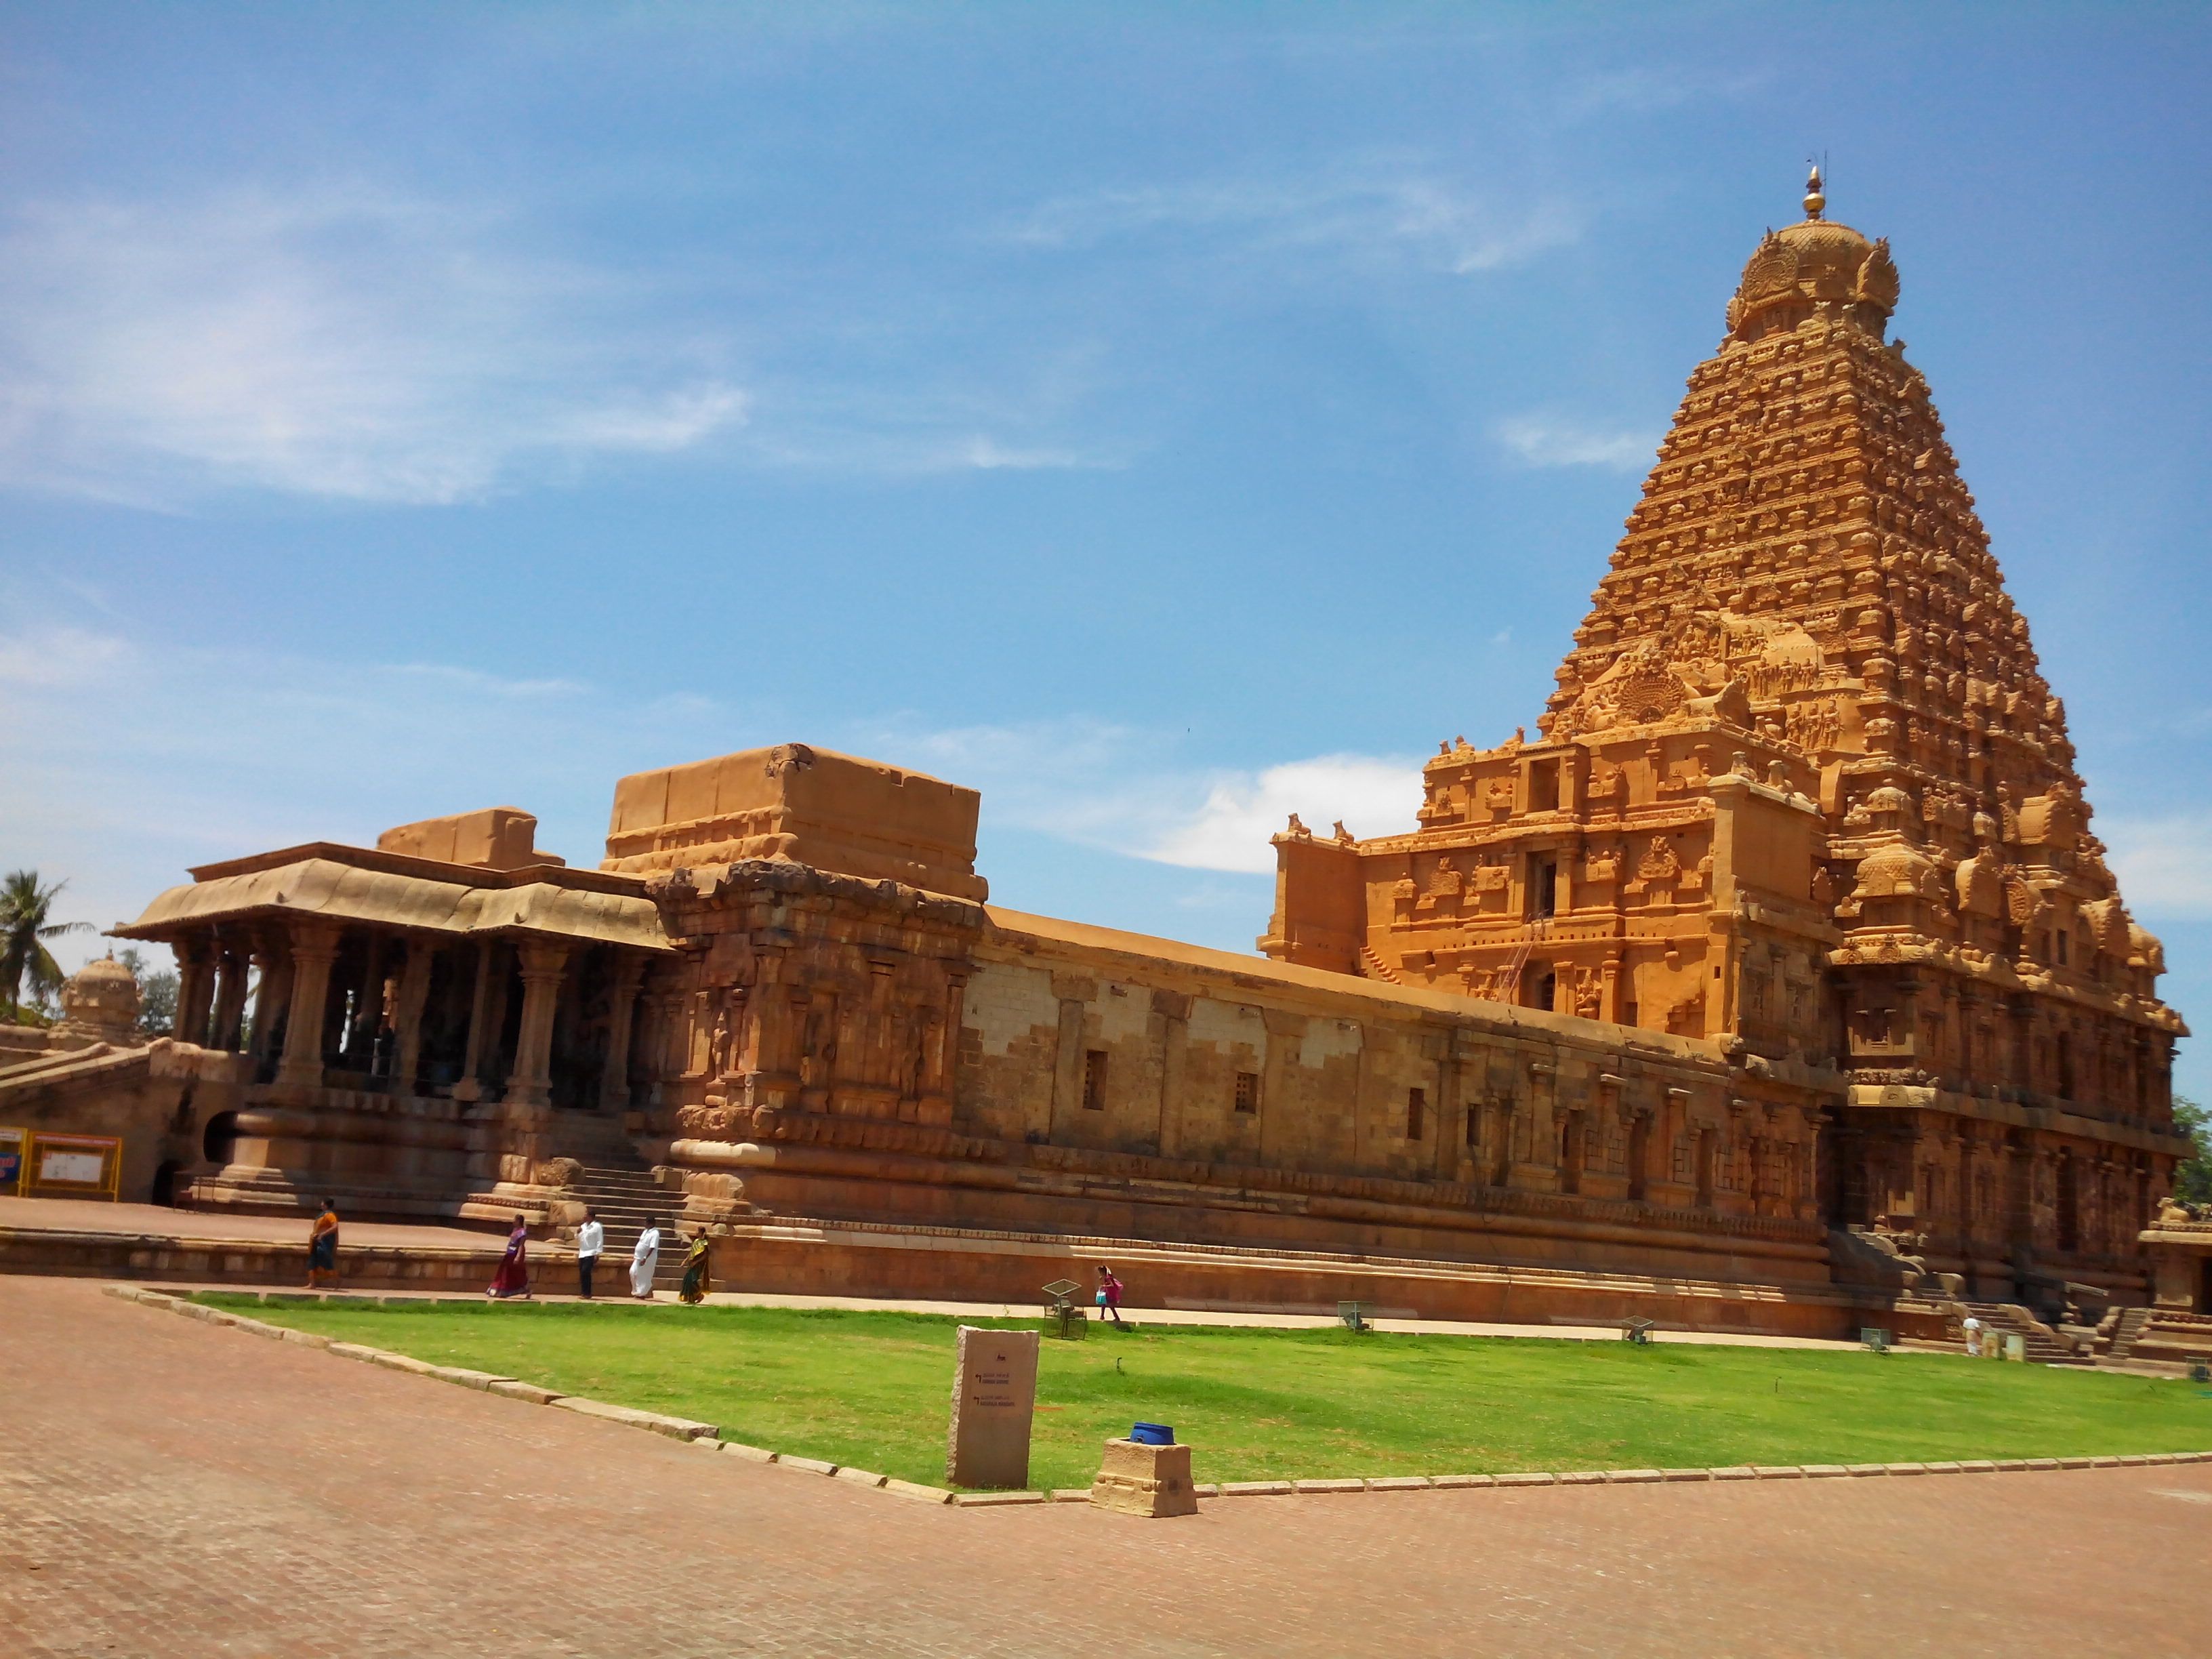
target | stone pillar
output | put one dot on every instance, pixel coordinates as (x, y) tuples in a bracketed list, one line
[(275, 991), (1285, 1033), (414, 988), (231, 962), (1074, 994), (487, 1009), (368, 1009), (542, 966), (1668, 1132), (1539, 1171), (941, 1080), (1173, 1010), (614, 1076), (314, 947), (1450, 1136), (195, 984)]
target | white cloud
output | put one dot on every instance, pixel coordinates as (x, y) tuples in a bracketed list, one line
[(130, 759), (1121, 790), (1366, 212), (1230, 829), (1543, 441), (2165, 865), (349, 343)]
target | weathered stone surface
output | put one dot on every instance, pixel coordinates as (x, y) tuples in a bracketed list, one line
[(1149, 1481), (993, 1402), (529, 1391)]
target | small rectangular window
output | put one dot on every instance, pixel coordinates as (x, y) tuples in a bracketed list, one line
[(1543, 887), (1544, 786), (1471, 1128), (1094, 1080), (1417, 1109), (1248, 1091)]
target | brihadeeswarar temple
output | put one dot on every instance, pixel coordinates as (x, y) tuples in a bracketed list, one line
[(1778, 982)]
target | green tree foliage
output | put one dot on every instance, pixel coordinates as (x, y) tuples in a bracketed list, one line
[(26, 924), (157, 993), (2192, 1177)]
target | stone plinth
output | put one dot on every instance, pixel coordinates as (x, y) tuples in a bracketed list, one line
[(993, 1401), (1141, 1480)]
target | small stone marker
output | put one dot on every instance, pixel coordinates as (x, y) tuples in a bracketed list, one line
[(1139, 1480), (993, 1401)]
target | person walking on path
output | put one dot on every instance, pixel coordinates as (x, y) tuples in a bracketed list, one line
[(323, 1247), (645, 1261), (697, 1282), (590, 1239), (1110, 1294), (513, 1278)]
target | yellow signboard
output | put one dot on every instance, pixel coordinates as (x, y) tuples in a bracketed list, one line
[(73, 1166)]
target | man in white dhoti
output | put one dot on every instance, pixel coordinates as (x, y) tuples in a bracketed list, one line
[(645, 1261)]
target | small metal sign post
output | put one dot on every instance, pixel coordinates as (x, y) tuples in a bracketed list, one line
[(1876, 1338), (1351, 1315), (1638, 1331), (1063, 1316)]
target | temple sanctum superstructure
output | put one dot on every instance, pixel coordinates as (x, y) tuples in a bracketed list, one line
[(1778, 983)]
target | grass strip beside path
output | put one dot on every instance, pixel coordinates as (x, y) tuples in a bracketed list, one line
[(871, 1390)]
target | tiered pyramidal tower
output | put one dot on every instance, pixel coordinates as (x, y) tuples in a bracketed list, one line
[(1803, 790)]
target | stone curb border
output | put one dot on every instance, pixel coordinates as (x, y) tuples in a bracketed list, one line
[(704, 1436)]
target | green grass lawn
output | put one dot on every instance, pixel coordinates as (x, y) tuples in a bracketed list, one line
[(871, 1389)]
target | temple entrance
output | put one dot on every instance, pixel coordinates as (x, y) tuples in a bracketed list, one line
[(220, 1140), (165, 1182)]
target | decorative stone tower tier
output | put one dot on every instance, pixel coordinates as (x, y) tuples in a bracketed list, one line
[(1803, 788)]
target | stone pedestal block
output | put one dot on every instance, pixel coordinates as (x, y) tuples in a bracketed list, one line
[(1139, 1480)]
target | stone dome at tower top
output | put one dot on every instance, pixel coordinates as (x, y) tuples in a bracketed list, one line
[(1815, 267)]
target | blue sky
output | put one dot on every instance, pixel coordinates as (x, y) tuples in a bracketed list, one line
[(1160, 418)]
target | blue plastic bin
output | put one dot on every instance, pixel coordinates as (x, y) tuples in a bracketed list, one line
[(1153, 1434)]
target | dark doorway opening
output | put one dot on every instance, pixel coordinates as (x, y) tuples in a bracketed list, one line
[(220, 1140), (165, 1182)]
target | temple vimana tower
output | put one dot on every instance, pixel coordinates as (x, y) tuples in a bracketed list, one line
[(1803, 789), (1777, 982)]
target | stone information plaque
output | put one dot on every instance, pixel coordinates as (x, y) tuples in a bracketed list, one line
[(994, 1400)]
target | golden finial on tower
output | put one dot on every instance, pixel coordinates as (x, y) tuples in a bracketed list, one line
[(1814, 201)]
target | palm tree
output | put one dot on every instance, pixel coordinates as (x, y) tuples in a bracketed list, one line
[(24, 930)]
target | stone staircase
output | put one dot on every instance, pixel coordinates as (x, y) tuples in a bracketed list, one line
[(2045, 1345), (624, 1197), (2127, 1329), (1372, 966)]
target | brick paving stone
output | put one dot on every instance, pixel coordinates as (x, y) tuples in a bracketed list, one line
[(171, 1489)]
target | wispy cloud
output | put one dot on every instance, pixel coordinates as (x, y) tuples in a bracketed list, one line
[(1367, 213), (1230, 830), (129, 759), (1123, 791), (347, 342), (2164, 864), (1550, 441)]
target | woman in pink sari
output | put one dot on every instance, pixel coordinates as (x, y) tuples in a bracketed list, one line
[(512, 1277)]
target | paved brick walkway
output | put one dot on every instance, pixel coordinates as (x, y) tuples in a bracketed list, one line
[(169, 1488), (159, 1221)]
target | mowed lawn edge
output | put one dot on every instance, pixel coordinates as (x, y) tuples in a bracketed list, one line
[(873, 1390)]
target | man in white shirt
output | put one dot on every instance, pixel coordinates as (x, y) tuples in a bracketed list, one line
[(590, 1239), (645, 1261)]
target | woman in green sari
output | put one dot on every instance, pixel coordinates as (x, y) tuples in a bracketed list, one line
[(697, 1283)]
